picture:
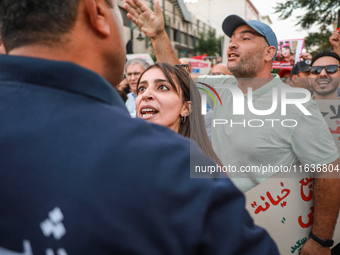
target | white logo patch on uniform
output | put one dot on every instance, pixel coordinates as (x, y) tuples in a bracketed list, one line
[(53, 224)]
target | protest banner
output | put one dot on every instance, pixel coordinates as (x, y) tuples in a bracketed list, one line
[(146, 57), (288, 53), (284, 207), (330, 110), (200, 66)]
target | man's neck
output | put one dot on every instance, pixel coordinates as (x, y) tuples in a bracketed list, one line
[(67, 52), (255, 83), (42, 51), (333, 96)]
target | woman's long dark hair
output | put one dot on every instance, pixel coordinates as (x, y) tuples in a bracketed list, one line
[(197, 132)]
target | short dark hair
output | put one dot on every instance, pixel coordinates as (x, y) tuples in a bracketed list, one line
[(25, 22), (325, 54)]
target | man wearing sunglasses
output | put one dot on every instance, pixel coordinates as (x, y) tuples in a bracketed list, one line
[(300, 74), (185, 61), (325, 75)]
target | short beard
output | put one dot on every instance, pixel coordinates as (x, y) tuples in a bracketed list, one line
[(326, 93), (249, 67)]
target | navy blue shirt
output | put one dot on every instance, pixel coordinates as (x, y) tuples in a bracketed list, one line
[(79, 176)]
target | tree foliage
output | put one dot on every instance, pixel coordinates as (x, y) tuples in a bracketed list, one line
[(209, 44), (318, 42), (319, 12)]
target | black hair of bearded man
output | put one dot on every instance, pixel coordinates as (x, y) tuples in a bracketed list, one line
[(26, 22), (325, 54)]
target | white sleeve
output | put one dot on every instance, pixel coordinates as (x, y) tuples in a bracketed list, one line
[(311, 140), (213, 81)]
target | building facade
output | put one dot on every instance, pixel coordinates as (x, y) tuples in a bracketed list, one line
[(213, 12), (182, 26)]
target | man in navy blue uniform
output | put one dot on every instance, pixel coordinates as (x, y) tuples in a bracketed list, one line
[(68, 181)]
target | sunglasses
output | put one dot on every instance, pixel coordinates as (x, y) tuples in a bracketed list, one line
[(329, 69), (185, 67)]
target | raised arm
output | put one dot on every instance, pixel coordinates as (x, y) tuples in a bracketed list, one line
[(326, 209), (152, 24)]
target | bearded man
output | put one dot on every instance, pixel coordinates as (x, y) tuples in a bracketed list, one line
[(325, 75)]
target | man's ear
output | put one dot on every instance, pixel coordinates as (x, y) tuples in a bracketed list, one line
[(2, 48), (98, 11), (269, 53), (294, 77)]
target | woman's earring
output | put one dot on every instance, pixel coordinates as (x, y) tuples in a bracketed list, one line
[(184, 118)]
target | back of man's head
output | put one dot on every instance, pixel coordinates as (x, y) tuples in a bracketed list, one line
[(26, 22), (85, 32), (220, 69)]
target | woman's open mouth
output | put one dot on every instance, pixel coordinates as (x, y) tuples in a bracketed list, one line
[(148, 112)]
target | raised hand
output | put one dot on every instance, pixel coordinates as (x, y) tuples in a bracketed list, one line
[(151, 23), (335, 39), (306, 55)]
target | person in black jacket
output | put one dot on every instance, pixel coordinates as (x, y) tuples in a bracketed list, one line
[(77, 174)]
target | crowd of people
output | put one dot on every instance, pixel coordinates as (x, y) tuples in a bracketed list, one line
[(84, 172)]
